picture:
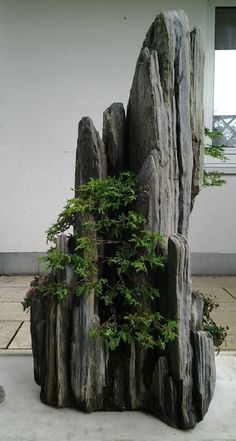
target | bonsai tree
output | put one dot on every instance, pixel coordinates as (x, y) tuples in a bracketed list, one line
[(114, 322)]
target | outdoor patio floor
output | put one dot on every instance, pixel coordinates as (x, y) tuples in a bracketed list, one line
[(15, 325), (24, 418)]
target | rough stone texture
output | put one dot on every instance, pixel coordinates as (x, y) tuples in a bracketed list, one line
[(197, 311), (87, 358), (179, 305), (204, 371), (38, 332), (55, 383), (114, 131), (135, 387), (160, 107), (166, 103), (90, 154), (87, 376), (196, 108), (162, 141), (2, 394)]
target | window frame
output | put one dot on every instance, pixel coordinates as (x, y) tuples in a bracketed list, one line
[(227, 167)]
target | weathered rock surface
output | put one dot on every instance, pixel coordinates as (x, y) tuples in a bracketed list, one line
[(162, 141), (159, 119), (196, 107), (166, 103), (90, 154), (114, 132), (197, 311), (2, 394), (38, 329), (88, 357), (55, 326), (179, 306), (204, 371)]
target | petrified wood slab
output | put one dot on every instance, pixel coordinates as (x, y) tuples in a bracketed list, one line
[(159, 125), (114, 138), (162, 141)]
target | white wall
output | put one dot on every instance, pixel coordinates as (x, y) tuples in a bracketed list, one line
[(61, 60), (212, 223)]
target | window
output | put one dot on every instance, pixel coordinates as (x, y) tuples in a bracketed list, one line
[(224, 118)]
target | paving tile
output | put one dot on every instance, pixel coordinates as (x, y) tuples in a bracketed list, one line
[(221, 295), (225, 316), (16, 280), (225, 311), (222, 318), (23, 351), (7, 330), (10, 311), (12, 294), (22, 339), (228, 282), (209, 282), (230, 342)]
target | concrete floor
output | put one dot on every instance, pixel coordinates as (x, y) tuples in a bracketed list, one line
[(24, 418), (15, 326), (224, 289), (14, 322)]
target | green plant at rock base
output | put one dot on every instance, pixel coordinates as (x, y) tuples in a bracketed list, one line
[(214, 178), (218, 333), (113, 255)]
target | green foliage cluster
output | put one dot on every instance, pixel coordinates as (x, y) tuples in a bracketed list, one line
[(112, 256), (214, 178), (148, 329), (218, 333)]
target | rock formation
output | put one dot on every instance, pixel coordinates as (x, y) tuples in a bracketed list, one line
[(2, 394), (162, 141)]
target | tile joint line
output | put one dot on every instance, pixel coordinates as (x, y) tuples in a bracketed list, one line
[(229, 293), (11, 340)]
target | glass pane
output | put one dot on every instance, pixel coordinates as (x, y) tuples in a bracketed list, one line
[(224, 119), (225, 28), (225, 83)]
